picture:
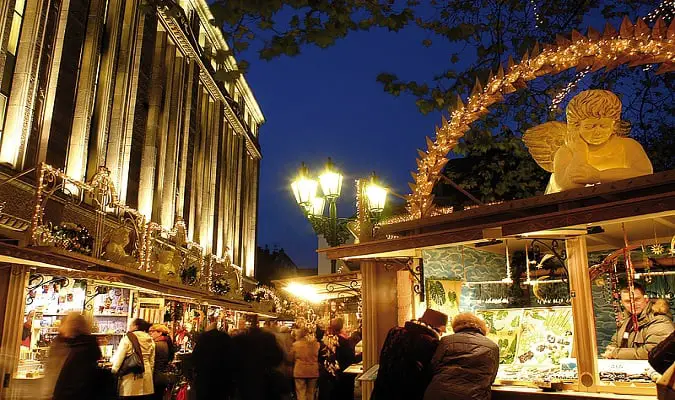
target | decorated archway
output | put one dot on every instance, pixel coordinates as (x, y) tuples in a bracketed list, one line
[(632, 44)]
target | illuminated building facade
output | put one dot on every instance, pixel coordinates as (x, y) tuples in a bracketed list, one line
[(130, 85)]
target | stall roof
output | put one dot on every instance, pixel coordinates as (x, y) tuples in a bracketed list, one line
[(73, 265), (651, 195), (327, 286)]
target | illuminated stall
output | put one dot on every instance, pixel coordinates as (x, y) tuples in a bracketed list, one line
[(550, 300)]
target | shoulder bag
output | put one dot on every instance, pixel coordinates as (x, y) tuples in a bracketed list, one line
[(132, 364)]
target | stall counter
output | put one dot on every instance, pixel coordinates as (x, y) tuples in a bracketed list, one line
[(524, 393)]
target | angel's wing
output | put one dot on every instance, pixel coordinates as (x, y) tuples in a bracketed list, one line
[(543, 141)]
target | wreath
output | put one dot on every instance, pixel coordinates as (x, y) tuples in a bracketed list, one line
[(189, 275), (220, 286)]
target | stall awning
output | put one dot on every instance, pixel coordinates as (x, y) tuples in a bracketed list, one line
[(326, 287), (645, 195), (72, 265)]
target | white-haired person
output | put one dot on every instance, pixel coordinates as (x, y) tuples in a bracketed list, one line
[(465, 363)]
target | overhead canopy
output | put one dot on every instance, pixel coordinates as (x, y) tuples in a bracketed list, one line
[(77, 266), (323, 287), (646, 197)]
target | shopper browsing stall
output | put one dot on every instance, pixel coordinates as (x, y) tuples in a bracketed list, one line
[(654, 324), (134, 379), (406, 356), (465, 363)]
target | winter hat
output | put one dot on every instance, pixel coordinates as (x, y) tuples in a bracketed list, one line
[(434, 318), (468, 320)]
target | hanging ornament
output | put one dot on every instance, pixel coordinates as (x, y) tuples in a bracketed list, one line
[(630, 276), (656, 248)]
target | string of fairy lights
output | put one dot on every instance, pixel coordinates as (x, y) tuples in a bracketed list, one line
[(538, 20), (571, 85), (665, 10)]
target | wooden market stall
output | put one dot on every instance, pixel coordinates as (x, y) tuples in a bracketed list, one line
[(529, 266), (585, 222)]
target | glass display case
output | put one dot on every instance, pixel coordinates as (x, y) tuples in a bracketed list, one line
[(48, 300)]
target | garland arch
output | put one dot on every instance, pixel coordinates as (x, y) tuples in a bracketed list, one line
[(634, 44)]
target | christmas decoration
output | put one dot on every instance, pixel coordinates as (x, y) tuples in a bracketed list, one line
[(220, 286), (189, 275), (72, 237), (635, 44)]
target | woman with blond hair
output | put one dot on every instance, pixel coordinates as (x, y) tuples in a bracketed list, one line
[(72, 369), (305, 355), (465, 363)]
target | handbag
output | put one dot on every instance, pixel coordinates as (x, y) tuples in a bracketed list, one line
[(132, 364)]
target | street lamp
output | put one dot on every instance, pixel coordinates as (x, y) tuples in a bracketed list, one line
[(376, 195), (332, 228)]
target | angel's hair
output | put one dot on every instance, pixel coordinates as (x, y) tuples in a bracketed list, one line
[(595, 104)]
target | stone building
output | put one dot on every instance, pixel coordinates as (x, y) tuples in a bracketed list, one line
[(130, 85)]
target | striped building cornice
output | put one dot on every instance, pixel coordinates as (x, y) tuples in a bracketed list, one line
[(187, 48)]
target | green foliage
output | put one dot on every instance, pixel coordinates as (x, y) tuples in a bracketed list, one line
[(436, 292), (492, 168)]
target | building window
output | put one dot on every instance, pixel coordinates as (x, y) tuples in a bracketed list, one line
[(12, 46)]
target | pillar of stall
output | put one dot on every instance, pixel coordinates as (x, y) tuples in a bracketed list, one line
[(585, 343)]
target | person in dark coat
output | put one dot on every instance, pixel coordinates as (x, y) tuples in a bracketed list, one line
[(345, 356), (257, 361), (405, 359), (465, 364), (212, 360), (164, 352), (78, 377)]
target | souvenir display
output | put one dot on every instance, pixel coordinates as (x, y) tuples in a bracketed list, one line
[(503, 329), (545, 336)]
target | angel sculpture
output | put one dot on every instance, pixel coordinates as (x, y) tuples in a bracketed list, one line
[(591, 147)]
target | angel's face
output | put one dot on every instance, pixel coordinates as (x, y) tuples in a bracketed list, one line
[(596, 131)]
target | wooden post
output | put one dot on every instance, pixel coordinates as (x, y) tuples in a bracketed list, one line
[(10, 337), (370, 347), (585, 341)]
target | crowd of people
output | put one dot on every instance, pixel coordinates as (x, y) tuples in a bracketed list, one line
[(139, 366), (250, 363), (275, 362), (417, 360)]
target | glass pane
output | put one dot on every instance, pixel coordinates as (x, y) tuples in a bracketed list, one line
[(631, 323), (19, 6), (3, 113), (523, 297), (14, 34)]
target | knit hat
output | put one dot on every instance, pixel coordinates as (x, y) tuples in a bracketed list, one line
[(434, 318)]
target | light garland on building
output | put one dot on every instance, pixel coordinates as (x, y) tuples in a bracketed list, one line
[(103, 191), (635, 44)]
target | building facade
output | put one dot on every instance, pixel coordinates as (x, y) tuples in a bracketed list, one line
[(130, 85)]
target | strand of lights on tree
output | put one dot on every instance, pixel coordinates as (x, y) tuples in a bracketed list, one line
[(665, 10), (570, 86), (636, 44), (537, 18)]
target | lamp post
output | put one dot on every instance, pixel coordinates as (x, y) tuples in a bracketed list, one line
[(331, 227)]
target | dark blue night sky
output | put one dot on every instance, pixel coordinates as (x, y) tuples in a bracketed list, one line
[(326, 103)]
